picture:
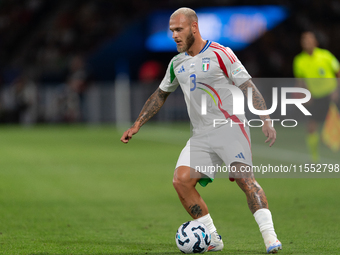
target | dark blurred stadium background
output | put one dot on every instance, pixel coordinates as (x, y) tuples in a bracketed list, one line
[(71, 61)]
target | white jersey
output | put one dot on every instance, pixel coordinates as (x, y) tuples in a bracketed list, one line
[(207, 73)]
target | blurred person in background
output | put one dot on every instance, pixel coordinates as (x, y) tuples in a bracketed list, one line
[(20, 101), (73, 97), (318, 68)]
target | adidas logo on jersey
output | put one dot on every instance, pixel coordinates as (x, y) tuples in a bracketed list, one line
[(181, 70), (240, 155)]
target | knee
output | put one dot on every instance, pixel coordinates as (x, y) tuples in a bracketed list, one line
[(242, 183), (248, 185), (182, 178)]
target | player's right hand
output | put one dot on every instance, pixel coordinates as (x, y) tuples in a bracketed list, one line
[(128, 134)]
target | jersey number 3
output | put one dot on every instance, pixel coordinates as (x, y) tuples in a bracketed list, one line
[(192, 82)]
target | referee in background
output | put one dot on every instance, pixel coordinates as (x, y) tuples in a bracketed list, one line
[(318, 68)]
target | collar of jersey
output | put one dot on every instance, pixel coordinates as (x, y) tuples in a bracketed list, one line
[(204, 48), (315, 51)]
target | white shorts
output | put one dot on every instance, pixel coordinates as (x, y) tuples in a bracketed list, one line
[(207, 152)]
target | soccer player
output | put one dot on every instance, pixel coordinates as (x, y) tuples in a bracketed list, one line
[(318, 67), (207, 68)]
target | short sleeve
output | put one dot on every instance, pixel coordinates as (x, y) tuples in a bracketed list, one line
[(169, 82), (232, 66), (334, 62)]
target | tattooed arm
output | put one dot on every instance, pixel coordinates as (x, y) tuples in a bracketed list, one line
[(260, 104), (151, 107)]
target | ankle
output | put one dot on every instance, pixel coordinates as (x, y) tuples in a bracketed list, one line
[(208, 222)]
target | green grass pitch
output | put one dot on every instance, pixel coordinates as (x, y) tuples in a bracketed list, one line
[(79, 190)]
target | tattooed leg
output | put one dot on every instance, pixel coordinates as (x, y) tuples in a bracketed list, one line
[(195, 210), (184, 184), (256, 197)]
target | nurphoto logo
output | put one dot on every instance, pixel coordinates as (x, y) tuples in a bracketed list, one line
[(238, 104)]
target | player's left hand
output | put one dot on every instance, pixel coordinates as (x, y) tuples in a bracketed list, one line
[(269, 131)]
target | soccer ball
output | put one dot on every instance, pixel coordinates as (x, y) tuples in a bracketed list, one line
[(193, 237)]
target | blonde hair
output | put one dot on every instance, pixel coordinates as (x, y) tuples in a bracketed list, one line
[(187, 12)]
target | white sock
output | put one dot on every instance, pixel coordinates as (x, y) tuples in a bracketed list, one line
[(263, 218), (207, 220)]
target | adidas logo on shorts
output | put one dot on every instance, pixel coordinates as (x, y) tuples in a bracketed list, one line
[(240, 155)]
